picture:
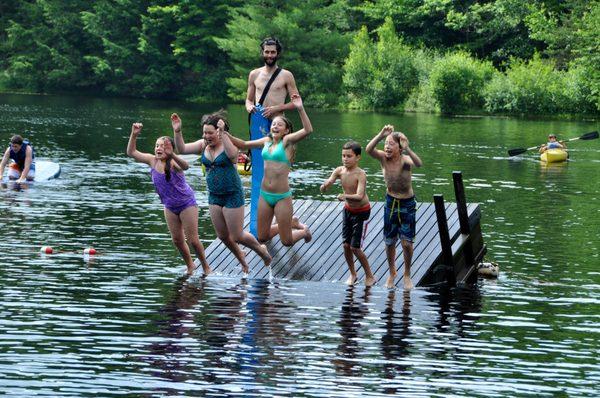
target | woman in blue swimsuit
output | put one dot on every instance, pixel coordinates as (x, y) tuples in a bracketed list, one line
[(225, 193), (275, 194)]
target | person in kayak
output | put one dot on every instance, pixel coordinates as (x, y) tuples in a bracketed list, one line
[(23, 156), (552, 144)]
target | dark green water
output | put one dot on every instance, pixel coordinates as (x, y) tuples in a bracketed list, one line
[(126, 324)]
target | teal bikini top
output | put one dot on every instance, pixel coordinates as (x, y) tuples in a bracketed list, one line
[(278, 154)]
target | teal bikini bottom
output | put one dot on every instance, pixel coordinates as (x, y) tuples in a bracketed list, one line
[(272, 198)]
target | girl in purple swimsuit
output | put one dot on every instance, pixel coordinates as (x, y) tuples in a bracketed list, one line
[(181, 210)]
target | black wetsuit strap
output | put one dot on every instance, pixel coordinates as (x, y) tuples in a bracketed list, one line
[(268, 86)]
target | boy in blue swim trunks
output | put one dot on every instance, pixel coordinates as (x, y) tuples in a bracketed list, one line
[(397, 161)]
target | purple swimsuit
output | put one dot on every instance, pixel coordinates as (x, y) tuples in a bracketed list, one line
[(175, 194)]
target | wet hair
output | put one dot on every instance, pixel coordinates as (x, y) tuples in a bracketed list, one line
[(168, 163), (271, 41), (16, 139), (288, 123), (355, 146), (290, 128), (396, 136), (211, 119)]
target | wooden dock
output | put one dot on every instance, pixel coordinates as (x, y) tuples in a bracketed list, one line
[(448, 245)]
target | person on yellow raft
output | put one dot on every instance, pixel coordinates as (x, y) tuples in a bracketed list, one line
[(553, 150)]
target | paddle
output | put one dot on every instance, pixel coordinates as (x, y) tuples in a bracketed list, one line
[(587, 136)]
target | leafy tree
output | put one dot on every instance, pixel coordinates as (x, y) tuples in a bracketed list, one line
[(359, 70), (45, 46), (315, 44), (206, 67), (491, 29), (457, 82), (116, 62), (379, 75)]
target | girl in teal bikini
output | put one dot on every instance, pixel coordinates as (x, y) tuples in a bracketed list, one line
[(225, 193), (275, 194)]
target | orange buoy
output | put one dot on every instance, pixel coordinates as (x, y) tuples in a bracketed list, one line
[(89, 250), (46, 250)]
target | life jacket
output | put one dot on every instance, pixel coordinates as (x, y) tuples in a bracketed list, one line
[(19, 157), (552, 145)]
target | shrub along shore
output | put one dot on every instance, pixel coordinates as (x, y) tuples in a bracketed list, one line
[(453, 57)]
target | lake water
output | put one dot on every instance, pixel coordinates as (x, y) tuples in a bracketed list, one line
[(126, 323)]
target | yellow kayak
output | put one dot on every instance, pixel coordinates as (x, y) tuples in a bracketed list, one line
[(554, 155)]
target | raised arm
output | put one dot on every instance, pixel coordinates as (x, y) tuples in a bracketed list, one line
[(306, 124), (329, 182), (245, 145), (230, 149), (371, 148), (132, 151), (181, 162), (195, 147), (413, 156), (4, 161)]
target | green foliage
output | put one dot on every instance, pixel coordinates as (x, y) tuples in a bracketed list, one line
[(204, 51), (379, 75), (493, 30), (358, 70), (44, 47), (587, 52), (457, 82), (315, 45), (536, 87), (422, 99)]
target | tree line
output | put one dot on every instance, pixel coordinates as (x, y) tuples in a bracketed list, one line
[(451, 56)]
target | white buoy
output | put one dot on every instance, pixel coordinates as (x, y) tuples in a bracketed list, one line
[(488, 270)]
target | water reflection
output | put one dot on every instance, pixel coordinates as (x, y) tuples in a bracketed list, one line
[(352, 314), (395, 345)]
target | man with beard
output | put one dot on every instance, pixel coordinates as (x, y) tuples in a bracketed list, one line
[(268, 87), (283, 86)]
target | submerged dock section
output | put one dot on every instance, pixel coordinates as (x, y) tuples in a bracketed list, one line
[(448, 245)]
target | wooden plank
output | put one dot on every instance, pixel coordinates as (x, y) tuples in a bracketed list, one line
[(323, 258), (322, 222), (302, 209), (338, 269)]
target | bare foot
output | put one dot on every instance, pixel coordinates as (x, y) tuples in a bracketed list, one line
[(245, 269), (351, 280), (266, 257), (408, 285), (296, 224), (308, 235), (190, 270), (389, 283), (369, 280), (205, 267)]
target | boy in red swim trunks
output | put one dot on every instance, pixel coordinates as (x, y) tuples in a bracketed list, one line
[(357, 209)]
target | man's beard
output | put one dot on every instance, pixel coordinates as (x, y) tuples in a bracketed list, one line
[(270, 61)]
